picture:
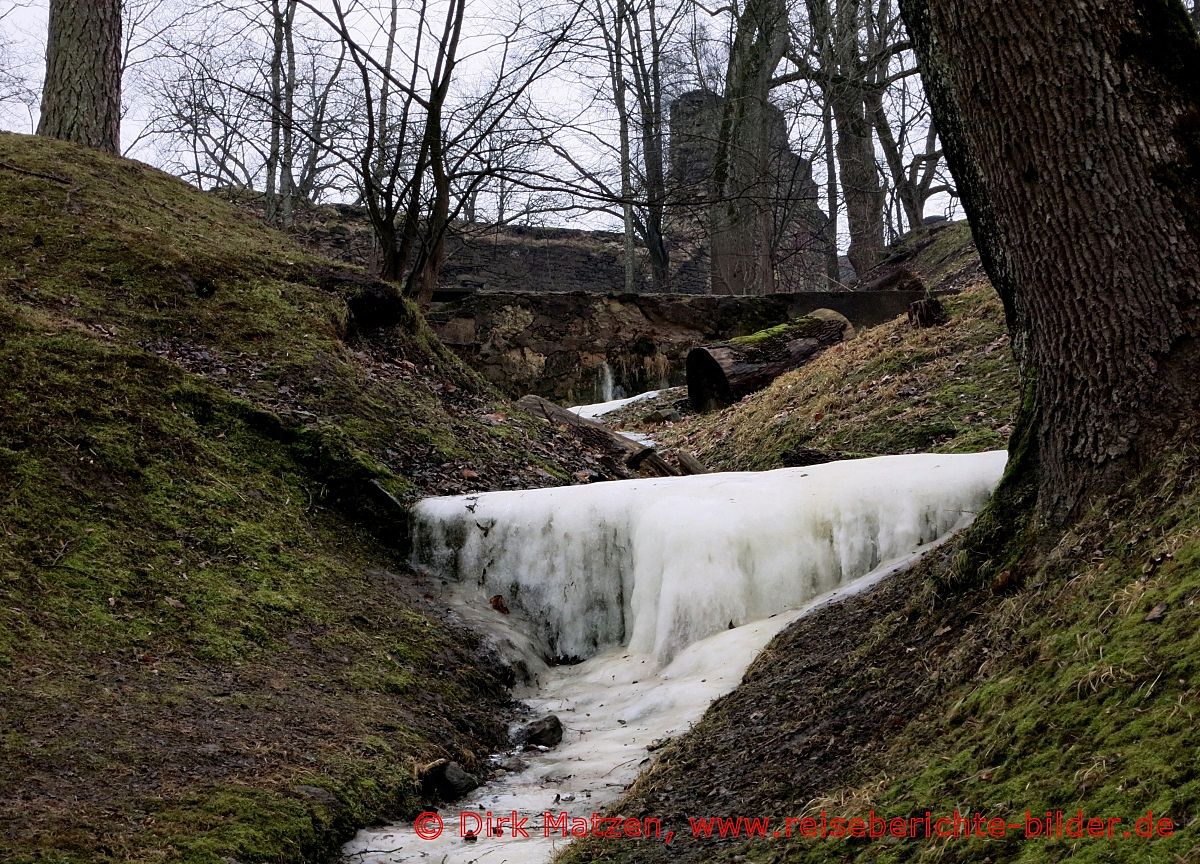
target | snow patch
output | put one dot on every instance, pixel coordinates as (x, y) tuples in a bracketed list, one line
[(591, 412)]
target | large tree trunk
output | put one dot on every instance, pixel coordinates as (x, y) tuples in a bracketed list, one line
[(81, 97), (1073, 130), (861, 189), (742, 221)]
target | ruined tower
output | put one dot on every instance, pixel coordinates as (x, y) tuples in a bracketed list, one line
[(783, 192)]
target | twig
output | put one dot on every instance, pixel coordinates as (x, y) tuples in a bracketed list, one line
[(35, 174)]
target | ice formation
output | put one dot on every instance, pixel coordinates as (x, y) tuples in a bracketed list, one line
[(652, 578), (613, 707), (659, 563), (591, 412)]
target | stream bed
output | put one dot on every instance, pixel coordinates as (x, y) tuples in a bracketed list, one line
[(659, 593)]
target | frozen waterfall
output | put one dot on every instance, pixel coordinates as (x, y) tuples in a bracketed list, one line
[(648, 577), (658, 564)]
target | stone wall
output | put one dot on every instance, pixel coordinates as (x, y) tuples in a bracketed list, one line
[(561, 346)]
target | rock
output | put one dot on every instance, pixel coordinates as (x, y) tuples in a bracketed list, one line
[(497, 603), (544, 732), (1156, 614), (515, 764), (663, 415), (446, 779)]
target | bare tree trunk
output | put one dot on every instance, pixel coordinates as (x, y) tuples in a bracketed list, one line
[(907, 193), (287, 179), (833, 263), (648, 83), (742, 232), (615, 48), (81, 97), (860, 179), (272, 183), (1071, 129)]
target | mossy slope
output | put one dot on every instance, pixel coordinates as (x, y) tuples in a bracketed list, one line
[(892, 389), (204, 653)]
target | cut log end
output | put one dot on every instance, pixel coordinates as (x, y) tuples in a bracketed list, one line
[(927, 313), (708, 388), (719, 375)]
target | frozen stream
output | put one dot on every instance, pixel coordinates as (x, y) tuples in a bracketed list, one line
[(666, 590)]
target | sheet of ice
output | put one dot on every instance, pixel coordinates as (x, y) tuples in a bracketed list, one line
[(640, 437), (591, 412), (660, 563), (613, 707)]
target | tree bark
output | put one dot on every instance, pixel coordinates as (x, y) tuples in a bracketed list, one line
[(743, 227), (81, 97), (1073, 132), (861, 190)]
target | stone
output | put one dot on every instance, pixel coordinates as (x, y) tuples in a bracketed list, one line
[(515, 764), (544, 732), (447, 780)]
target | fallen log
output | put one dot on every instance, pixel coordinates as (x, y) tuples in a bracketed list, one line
[(721, 374), (635, 456)]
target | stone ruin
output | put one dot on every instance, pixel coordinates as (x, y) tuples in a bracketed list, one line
[(518, 258), (787, 188)]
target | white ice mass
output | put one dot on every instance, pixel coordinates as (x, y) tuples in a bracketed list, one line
[(599, 409), (659, 563), (645, 578)]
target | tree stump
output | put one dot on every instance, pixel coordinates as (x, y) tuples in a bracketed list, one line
[(927, 313)]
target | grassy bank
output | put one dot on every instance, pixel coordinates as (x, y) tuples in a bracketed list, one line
[(893, 389), (210, 648)]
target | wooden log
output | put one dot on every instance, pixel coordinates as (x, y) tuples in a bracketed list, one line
[(719, 375), (635, 456), (689, 464)]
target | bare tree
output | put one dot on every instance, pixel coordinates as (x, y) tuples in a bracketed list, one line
[(742, 227), (81, 94), (415, 184)]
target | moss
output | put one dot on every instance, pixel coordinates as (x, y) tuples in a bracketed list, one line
[(797, 328), (1004, 533), (196, 472)]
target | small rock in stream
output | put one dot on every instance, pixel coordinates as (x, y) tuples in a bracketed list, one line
[(446, 779), (544, 732)]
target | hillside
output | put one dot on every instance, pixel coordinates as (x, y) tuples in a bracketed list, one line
[(893, 389), (209, 646), (1067, 681)]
